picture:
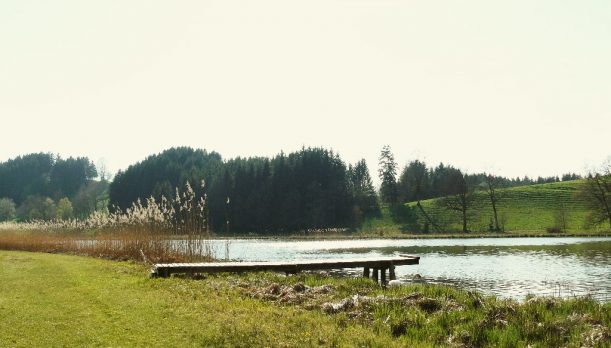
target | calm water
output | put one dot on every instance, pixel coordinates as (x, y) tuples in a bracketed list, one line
[(506, 267)]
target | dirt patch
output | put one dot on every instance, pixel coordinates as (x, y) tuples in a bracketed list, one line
[(356, 306), (296, 294), (598, 336), (498, 315)]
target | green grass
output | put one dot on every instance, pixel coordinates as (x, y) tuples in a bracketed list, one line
[(522, 211), (61, 300), (525, 208)]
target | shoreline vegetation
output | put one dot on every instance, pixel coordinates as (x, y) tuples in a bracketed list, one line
[(61, 298), (43, 296), (309, 189), (48, 300), (397, 234), (137, 241), (143, 232), (146, 229)]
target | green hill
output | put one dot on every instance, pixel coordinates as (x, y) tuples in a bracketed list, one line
[(525, 208)]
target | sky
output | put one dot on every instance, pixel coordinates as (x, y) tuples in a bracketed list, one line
[(512, 87)]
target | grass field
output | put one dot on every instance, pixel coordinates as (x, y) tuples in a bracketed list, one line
[(60, 300), (522, 211), (526, 208)]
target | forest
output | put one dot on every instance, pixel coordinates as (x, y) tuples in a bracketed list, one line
[(309, 189), (41, 186), (306, 190)]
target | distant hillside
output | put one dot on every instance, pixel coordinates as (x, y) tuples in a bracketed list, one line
[(525, 208)]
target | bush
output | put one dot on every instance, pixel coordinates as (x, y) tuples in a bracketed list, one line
[(7, 209)]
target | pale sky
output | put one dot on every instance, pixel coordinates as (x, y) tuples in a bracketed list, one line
[(513, 87)]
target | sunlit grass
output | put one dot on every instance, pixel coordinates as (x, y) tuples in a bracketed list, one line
[(526, 209), (59, 300), (523, 211)]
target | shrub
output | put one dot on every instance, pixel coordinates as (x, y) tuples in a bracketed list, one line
[(7, 209)]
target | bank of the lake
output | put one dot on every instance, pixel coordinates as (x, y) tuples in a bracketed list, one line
[(396, 233), (505, 267), (61, 300)]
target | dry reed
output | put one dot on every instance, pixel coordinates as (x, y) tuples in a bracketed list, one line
[(168, 230)]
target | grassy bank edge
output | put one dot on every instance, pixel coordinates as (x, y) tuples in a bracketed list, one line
[(397, 234), (51, 300)]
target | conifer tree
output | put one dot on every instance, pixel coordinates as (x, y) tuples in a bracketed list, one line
[(388, 175)]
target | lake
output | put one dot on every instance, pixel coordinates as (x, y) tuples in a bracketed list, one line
[(505, 267)]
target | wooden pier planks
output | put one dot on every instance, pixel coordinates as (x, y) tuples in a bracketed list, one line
[(381, 263)]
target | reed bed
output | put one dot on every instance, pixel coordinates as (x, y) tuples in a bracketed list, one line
[(165, 230)]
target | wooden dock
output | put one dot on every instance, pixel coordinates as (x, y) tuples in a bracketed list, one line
[(372, 267)]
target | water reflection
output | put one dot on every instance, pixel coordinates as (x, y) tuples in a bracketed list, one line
[(506, 267)]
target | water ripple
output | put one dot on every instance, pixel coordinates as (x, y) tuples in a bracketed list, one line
[(505, 267)]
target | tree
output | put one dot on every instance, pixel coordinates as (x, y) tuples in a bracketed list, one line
[(363, 194), (596, 192), (570, 176), (492, 183), (69, 175), (44, 175), (102, 169), (64, 210), (94, 196), (388, 175), (414, 185), (458, 195), (37, 208), (48, 209), (25, 176), (173, 168), (307, 189), (7, 209), (413, 182), (561, 217)]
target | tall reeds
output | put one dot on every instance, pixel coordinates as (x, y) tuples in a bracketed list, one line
[(165, 230)]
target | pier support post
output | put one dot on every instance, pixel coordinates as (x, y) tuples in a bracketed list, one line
[(391, 272), (366, 272), (383, 277), (375, 274)]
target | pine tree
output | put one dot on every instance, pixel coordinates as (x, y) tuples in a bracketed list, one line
[(363, 193), (388, 175)]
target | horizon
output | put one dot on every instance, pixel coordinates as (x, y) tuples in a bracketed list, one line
[(516, 89), (372, 169)]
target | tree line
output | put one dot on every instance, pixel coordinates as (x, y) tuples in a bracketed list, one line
[(305, 190), (455, 190), (44, 186), (418, 181), (310, 189)]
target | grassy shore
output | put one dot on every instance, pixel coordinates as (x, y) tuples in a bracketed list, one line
[(395, 232), (61, 300)]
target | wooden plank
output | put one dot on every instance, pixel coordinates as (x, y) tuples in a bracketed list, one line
[(288, 267), (306, 263)]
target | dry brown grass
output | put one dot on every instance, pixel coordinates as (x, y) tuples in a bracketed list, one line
[(157, 231), (124, 245)]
